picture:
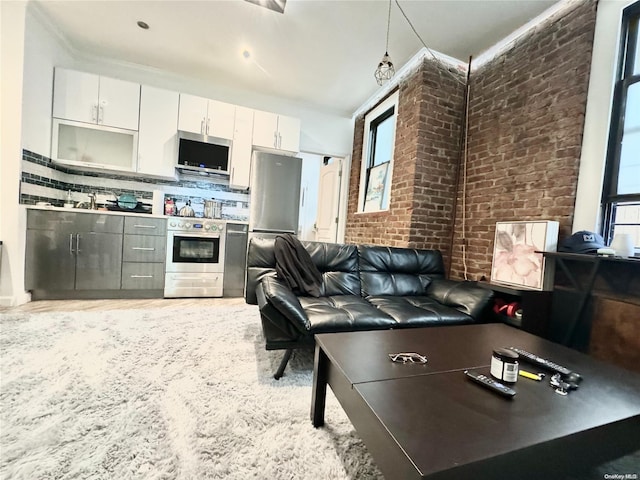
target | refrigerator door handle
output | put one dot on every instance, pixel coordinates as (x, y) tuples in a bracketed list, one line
[(272, 230)]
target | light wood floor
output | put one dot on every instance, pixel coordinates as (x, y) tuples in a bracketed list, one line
[(100, 305)]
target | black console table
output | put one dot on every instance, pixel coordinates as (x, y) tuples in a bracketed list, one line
[(577, 278), (535, 305)]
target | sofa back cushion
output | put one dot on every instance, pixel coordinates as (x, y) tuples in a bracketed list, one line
[(337, 263), (339, 267), (398, 271)]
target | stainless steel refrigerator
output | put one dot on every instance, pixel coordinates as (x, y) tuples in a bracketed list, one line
[(274, 194)]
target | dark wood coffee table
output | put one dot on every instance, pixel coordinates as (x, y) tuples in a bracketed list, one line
[(430, 421)]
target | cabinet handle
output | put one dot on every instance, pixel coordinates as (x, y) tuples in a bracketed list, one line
[(208, 119), (100, 114), (202, 126), (94, 113), (77, 243), (275, 139), (71, 243), (145, 226), (141, 276), (279, 141), (143, 248)]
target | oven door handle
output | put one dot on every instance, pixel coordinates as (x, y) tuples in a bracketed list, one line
[(195, 235)]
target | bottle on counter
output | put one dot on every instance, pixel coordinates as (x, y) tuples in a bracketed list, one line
[(169, 207), (69, 201)]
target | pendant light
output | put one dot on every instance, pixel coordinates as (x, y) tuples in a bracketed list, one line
[(385, 69)]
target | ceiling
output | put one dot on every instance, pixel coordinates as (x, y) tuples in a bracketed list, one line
[(319, 53)]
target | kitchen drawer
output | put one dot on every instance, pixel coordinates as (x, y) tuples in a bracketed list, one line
[(145, 226), (142, 276), (144, 248), (74, 222)]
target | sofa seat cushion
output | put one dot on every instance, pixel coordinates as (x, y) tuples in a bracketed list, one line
[(411, 311), (343, 313)]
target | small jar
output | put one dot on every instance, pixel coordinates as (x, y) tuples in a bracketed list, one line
[(504, 365)]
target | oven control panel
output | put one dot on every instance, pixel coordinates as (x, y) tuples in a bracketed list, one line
[(195, 226)]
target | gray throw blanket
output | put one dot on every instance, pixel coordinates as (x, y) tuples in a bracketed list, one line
[(295, 267)]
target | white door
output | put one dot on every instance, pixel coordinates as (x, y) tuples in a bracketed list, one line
[(288, 133), (193, 113), (157, 139), (265, 125), (119, 103), (311, 164), (221, 118), (75, 96), (328, 201), (241, 149)]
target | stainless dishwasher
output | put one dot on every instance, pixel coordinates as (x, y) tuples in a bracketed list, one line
[(235, 260)]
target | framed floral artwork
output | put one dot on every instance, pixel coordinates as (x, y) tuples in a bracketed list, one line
[(516, 260), (373, 200)]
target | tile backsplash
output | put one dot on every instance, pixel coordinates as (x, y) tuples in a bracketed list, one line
[(46, 181)]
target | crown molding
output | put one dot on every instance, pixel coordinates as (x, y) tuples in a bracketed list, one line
[(507, 42), (38, 13)]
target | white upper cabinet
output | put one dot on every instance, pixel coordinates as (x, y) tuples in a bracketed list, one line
[(276, 131), (193, 114), (90, 98), (265, 129), (289, 133), (157, 137), (206, 117), (241, 149)]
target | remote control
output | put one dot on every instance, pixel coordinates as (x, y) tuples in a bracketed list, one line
[(546, 364), (491, 384)]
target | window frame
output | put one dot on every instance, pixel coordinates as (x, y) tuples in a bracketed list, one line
[(629, 43), (372, 120)]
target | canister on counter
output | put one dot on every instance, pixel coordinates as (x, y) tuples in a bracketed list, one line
[(169, 206), (504, 365)]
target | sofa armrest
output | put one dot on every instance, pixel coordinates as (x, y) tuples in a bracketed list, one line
[(275, 292), (464, 296)]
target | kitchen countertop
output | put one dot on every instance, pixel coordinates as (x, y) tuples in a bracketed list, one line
[(85, 210), (132, 214)]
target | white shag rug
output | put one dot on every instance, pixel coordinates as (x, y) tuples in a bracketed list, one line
[(162, 394)]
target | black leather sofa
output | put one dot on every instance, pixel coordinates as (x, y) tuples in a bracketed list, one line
[(363, 288)]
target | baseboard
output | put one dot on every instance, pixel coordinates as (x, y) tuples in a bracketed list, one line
[(15, 300)]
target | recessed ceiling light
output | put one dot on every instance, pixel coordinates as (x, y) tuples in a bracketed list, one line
[(143, 25), (275, 5), (246, 54)]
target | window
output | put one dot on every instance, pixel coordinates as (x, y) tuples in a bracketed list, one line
[(621, 189), (377, 156)]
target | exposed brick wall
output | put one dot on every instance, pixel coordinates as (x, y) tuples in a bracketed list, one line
[(426, 151), (525, 132)]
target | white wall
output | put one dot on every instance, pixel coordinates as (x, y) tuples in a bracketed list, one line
[(42, 51), (604, 62), (12, 217)]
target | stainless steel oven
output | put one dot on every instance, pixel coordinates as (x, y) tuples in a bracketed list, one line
[(195, 258)]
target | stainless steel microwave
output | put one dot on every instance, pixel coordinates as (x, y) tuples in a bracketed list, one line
[(203, 153)]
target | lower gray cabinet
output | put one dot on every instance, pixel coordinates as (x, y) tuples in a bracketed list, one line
[(67, 251), (142, 276), (143, 253), (94, 255), (98, 261)]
